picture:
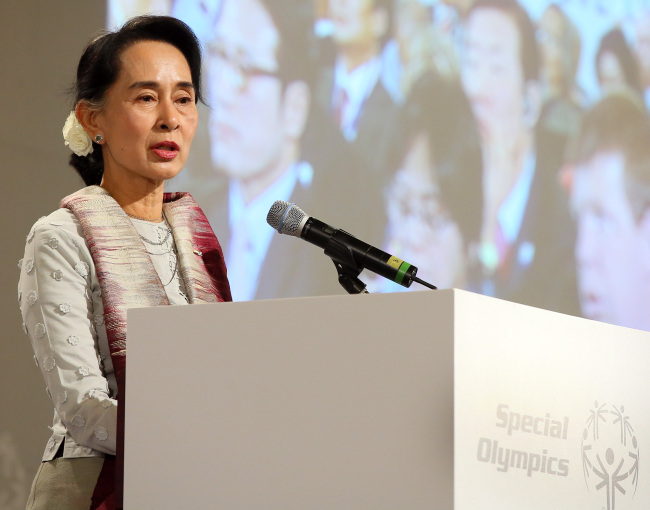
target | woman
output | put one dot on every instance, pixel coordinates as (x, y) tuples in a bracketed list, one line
[(560, 47), (117, 244), (433, 203), (617, 68)]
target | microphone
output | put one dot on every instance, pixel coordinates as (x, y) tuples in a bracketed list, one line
[(341, 246)]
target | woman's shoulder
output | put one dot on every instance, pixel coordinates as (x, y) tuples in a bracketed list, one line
[(62, 222), (54, 243)]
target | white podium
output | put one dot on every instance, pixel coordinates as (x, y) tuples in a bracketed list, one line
[(423, 400)]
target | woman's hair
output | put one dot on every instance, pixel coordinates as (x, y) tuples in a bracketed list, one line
[(439, 109), (614, 42), (100, 65), (571, 49), (619, 123)]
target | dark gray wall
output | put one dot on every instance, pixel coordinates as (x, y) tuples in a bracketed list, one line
[(41, 42)]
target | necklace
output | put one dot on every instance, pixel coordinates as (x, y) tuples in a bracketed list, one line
[(173, 273), (160, 243), (164, 247), (170, 252), (166, 227)]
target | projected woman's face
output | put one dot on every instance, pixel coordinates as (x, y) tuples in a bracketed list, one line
[(151, 103), (492, 75), (612, 248), (610, 73), (246, 123), (419, 229)]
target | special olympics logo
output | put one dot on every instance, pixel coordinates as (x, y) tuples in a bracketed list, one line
[(610, 453)]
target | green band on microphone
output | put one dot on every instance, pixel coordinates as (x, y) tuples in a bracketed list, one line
[(401, 272)]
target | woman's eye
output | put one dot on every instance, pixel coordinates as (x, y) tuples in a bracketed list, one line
[(147, 99), (185, 100)]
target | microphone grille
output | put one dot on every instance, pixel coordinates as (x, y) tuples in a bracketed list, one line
[(286, 218)]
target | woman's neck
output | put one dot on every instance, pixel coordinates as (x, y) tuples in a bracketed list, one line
[(142, 199)]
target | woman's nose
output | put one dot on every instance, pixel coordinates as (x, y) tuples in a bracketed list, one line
[(168, 120)]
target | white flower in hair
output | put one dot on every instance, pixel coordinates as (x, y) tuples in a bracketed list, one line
[(76, 137)]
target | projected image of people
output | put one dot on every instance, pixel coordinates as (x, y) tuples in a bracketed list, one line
[(616, 67), (641, 48), (351, 88), (262, 137), (426, 225), (417, 46), (452, 134), (560, 47), (611, 201), (526, 230)]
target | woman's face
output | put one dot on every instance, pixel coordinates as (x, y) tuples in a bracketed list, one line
[(492, 73), (610, 73), (419, 229), (150, 115)]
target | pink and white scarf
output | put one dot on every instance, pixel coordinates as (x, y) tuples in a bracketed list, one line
[(128, 279)]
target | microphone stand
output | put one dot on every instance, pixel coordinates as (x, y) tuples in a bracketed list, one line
[(349, 270), (348, 278), (346, 266)]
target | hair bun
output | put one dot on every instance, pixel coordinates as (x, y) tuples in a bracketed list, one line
[(90, 167)]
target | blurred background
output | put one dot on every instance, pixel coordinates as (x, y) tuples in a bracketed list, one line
[(500, 146)]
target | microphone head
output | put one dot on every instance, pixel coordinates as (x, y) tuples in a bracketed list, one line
[(286, 218)]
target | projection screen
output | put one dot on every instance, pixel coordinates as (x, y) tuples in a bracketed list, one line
[(499, 146)]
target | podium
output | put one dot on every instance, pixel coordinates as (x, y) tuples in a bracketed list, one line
[(421, 400)]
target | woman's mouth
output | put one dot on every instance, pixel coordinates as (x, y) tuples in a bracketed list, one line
[(166, 150)]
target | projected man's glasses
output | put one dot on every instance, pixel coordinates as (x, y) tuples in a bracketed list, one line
[(241, 67)]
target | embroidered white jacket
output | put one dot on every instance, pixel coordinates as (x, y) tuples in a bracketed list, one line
[(61, 304)]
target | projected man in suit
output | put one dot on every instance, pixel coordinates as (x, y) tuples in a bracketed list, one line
[(610, 197), (524, 250), (266, 138), (352, 89)]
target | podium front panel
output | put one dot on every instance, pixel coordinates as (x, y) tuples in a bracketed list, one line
[(319, 403)]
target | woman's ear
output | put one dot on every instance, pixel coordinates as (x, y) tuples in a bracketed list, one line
[(88, 118)]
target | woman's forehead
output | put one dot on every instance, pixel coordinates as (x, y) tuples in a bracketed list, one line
[(153, 61)]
